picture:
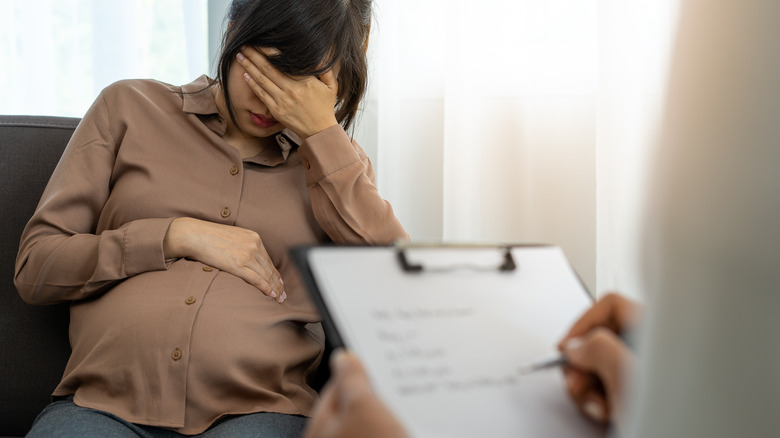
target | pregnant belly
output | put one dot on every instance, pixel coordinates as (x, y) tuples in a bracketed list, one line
[(215, 325)]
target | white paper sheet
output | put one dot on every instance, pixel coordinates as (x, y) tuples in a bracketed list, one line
[(443, 349)]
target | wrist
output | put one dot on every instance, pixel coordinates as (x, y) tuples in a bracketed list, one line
[(316, 129), (175, 241)]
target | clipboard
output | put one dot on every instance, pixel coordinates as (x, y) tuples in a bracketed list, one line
[(443, 330)]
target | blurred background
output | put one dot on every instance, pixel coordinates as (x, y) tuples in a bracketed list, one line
[(526, 121)]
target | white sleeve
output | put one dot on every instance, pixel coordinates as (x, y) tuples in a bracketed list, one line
[(710, 356)]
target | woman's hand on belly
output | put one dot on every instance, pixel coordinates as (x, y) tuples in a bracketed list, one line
[(232, 249)]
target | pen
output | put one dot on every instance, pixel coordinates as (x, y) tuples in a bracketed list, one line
[(542, 364), (559, 360)]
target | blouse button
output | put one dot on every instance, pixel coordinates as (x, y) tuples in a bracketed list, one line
[(234, 170), (225, 212), (208, 268), (189, 300), (306, 164), (282, 140), (176, 354)]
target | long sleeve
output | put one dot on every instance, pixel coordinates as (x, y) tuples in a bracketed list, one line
[(62, 255), (343, 191)]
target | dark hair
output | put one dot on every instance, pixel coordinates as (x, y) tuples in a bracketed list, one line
[(312, 36)]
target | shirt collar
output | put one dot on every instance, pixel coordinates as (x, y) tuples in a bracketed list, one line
[(197, 99), (286, 140)]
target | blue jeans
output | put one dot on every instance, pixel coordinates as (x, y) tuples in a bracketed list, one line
[(63, 419)]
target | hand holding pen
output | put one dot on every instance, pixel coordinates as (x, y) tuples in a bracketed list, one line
[(596, 358)]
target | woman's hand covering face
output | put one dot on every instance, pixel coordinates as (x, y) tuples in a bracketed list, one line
[(305, 105)]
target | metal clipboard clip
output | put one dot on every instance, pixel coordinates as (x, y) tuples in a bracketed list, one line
[(507, 263)]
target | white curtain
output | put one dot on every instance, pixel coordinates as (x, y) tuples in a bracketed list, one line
[(498, 120), (520, 120), (56, 55)]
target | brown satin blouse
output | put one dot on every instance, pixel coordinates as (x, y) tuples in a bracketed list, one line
[(176, 343)]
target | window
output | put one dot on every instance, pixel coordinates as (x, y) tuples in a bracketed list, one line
[(57, 55)]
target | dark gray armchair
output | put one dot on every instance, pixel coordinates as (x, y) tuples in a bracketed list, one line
[(34, 344)]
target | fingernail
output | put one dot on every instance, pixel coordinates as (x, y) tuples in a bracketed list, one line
[(273, 294), (280, 280), (341, 361), (338, 359), (240, 56), (593, 410), (284, 296), (247, 77), (572, 344)]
